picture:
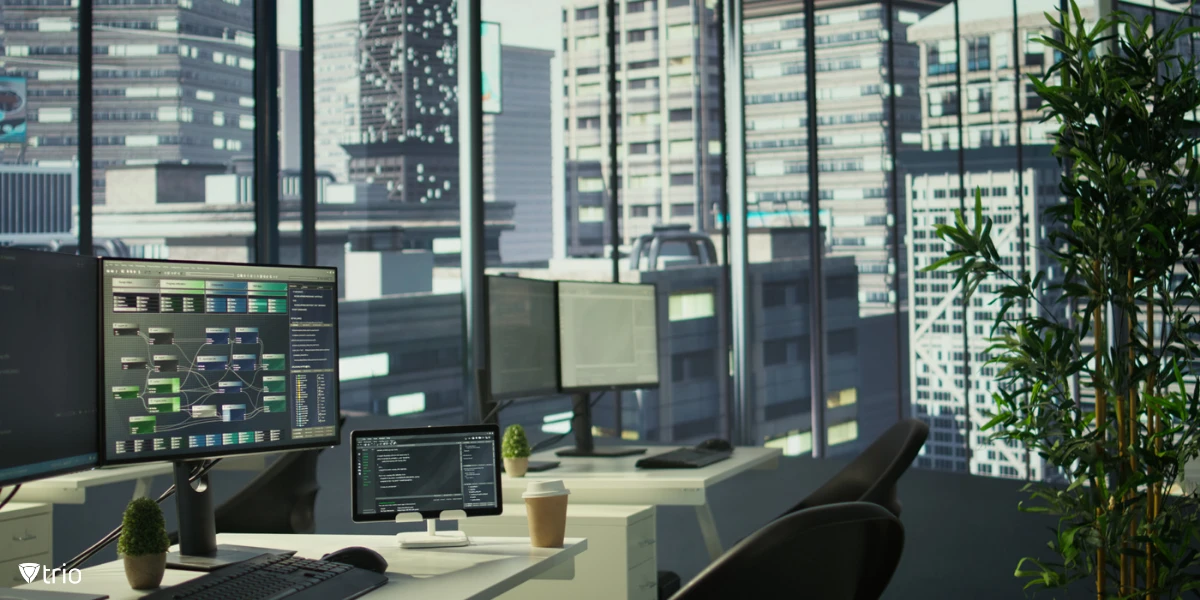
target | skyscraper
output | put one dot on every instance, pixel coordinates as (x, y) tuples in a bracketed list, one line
[(173, 84), (408, 95), (948, 341), (670, 144), (853, 128), (336, 95), (517, 157)]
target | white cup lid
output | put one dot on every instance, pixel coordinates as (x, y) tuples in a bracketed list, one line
[(545, 488)]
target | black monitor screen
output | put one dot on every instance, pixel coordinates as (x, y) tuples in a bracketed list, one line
[(608, 335), (426, 470), (48, 384), (522, 342), (205, 359)]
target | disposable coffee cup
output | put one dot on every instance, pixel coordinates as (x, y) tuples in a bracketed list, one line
[(546, 505)]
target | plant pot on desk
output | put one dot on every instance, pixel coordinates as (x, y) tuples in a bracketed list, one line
[(145, 572), (516, 467)]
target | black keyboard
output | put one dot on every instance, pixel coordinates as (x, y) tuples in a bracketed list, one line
[(275, 576), (683, 458)]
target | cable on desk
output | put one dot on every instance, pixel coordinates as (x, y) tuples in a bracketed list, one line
[(497, 408), (10, 495), (116, 533), (546, 443)]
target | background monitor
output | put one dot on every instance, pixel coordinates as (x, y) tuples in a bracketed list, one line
[(208, 359), (522, 353), (608, 335), (426, 470), (48, 382)]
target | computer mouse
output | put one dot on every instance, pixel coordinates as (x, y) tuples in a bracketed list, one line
[(357, 556), (716, 445)]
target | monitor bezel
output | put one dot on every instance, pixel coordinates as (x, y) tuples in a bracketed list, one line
[(102, 438), (417, 431), (523, 394), (622, 386), (94, 461)]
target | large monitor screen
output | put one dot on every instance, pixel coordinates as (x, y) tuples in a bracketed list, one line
[(522, 338), (49, 390), (608, 335), (205, 359), (427, 470)]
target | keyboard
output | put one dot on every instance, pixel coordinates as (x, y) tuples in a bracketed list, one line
[(683, 458), (274, 576)]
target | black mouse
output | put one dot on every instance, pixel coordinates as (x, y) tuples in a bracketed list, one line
[(716, 445), (357, 556)]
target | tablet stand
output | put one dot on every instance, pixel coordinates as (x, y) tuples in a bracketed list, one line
[(431, 537)]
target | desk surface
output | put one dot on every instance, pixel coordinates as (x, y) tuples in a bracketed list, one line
[(485, 569), (618, 481)]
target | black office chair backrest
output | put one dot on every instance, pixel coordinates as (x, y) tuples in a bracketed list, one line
[(872, 476), (836, 552), (281, 499)]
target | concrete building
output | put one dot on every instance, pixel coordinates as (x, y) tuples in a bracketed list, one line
[(172, 83), (669, 155), (517, 153), (336, 95), (408, 106), (853, 129)]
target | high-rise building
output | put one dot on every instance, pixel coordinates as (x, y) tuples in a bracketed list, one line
[(853, 128), (336, 96), (408, 100), (952, 386), (669, 153), (173, 83), (517, 157)]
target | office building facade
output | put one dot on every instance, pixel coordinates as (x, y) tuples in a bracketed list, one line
[(669, 157), (37, 200), (408, 108), (336, 95), (517, 153), (853, 129), (172, 83)]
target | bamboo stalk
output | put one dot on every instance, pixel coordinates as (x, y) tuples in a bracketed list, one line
[(1131, 425), (1151, 570), (1101, 429)]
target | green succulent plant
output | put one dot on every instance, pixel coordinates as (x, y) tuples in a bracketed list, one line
[(143, 529), (515, 444)]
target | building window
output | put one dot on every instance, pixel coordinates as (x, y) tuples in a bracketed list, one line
[(591, 184), (979, 54), (641, 35), (685, 306), (942, 57), (406, 404), (591, 214), (775, 352), (682, 179), (363, 367), (588, 13), (683, 210), (680, 114)]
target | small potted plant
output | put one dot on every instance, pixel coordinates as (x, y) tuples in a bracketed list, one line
[(143, 544), (515, 451)]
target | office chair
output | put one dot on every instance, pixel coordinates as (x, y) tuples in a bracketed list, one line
[(846, 551), (872, 476)]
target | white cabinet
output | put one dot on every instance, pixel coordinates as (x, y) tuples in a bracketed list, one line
[(619, 563), (25, 536)]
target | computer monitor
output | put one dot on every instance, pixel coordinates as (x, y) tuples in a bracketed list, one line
[(608, 340), (48, 364), (522, 351), (426, 473), (202, 360)]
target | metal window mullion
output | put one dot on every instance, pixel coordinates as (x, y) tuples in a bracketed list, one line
[(86, 78), (266, 134), (893, 136), (816, 289), (471, 207), (735, 190), (308, 136), (962, 204)]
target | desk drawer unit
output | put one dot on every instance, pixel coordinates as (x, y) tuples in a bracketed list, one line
[(619, 562), (25, 531)]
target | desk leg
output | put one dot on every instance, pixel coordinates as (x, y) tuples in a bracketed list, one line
[(141, 487), (708, 529)]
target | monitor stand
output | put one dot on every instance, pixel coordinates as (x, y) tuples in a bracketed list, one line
[(431, 537), (581, 426), (198, 549)]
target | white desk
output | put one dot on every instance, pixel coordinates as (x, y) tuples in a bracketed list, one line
[(72, 488), (485, 569), (618, 481)]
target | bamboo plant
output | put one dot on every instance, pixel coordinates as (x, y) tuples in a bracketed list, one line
[(1096, 356)]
